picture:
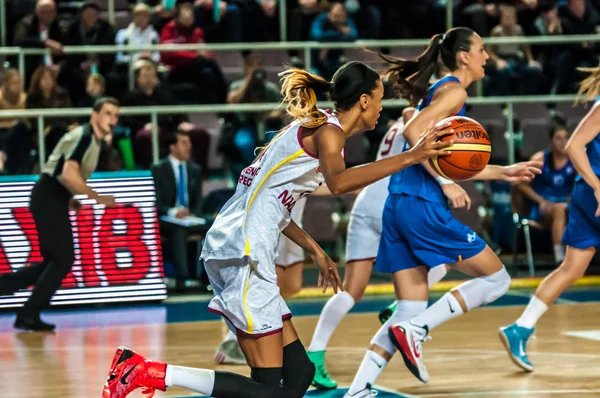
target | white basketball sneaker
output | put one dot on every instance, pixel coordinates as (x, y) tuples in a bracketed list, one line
[(366, 393), (408, 339)]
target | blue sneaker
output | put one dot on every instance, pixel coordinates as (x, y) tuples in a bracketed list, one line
[(515, 340)]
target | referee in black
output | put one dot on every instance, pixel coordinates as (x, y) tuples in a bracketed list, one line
[(69, 166)]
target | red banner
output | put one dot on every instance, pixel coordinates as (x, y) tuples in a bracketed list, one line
[(117, 250)]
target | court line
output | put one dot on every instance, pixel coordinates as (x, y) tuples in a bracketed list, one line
[(509, 392), (529, 295)]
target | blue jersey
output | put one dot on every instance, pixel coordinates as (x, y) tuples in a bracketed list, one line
[(416, 180), (554, 184), (592, 150)]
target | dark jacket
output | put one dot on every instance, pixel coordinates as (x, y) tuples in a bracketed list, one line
[(166, 187), (27, 34), (103, 34)]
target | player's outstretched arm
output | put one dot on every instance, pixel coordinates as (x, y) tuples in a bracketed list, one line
[(328, 275), (330, 142), (518, 172)]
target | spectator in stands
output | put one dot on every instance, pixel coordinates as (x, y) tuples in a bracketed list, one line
[(479, 15), (87, 30), (578, 17), (149, 93), (548, 24), (331, 27), (94, 90), (21, 141), (301, 19), (513, 62), (227, 27), (239, 137), (138, 33), (178, 184), (261, 20), (163, 13), (41, 30), (11, 97), (192, 66), (550, 191)]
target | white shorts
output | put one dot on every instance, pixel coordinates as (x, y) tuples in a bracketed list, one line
[(250, 303), (362, 240), (289, 253)]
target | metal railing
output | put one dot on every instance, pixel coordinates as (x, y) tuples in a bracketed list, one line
[(42, 114), (307, 47)]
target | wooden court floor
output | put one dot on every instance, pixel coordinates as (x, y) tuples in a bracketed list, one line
[(465, 357)]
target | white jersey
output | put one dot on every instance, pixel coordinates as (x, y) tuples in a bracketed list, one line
[(251, 221), (371, 200)]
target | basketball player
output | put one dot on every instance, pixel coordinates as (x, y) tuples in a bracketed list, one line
[(364, 231), (582, 234), (419, 230), (550, 192), (289, 261), (65, 174), (239, 249)]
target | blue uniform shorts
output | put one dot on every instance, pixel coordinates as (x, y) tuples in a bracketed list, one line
[(583, 227), (418, 232)]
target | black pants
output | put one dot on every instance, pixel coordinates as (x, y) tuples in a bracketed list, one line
[(49, 206), (177, 237)]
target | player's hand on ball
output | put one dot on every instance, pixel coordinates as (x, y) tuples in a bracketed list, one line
[(523, 171), (457, 196), (106, 200), (429, 144), (328, 275)]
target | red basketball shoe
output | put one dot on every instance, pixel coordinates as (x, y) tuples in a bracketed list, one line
[(129, 371)]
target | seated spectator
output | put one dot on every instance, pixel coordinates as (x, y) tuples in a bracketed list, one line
[(227, 27), (94, 89), (512, 62), (261, 20), (333, 26), (87, 30), (11, 97), (21, 142), (550, 191), (192, 66), (578, 17), (41, 30), (149, 93), (178, 185), (479, 15), (239, 137), (548, 24), (138, 33), (301, 19)]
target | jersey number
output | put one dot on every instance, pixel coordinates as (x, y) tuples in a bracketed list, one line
[(388, 142)]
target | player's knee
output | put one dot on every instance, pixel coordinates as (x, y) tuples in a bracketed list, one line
[(297, 363), (290, 288), (498, 285)]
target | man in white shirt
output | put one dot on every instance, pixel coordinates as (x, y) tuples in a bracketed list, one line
[(178, 185)]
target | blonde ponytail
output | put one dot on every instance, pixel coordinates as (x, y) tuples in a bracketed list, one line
[(298, 88), (589, 88)]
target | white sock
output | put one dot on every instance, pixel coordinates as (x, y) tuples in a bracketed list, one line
[(230, 336), (559, 253), (370, 368), (446, 308), (334, 310), (199, 380), (436, 274), (534, 311)]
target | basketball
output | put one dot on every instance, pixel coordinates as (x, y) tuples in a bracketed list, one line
[(471, 150)]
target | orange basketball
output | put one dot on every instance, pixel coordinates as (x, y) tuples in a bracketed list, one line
[(471, 150)]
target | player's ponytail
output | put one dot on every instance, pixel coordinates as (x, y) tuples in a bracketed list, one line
[(410, 77), (589, 88), (299, 89)]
